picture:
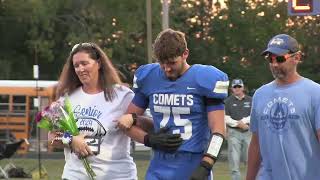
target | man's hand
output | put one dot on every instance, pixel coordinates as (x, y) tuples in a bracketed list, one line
[(242, 126), (202, 172), (163, 141), (125, 122)]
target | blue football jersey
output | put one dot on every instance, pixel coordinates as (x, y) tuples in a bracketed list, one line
[(180, 104)]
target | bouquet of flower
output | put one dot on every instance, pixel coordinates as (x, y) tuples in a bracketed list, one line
[(59, 117)]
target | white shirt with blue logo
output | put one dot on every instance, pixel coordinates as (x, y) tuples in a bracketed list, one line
[(286, 120), (97, 119)]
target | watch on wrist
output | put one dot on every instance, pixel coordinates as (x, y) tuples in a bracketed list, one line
[(134, 118)]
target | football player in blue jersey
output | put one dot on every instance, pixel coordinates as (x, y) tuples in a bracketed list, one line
[(186, 103)]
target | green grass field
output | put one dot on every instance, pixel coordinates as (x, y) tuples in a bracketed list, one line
[(54, 167)]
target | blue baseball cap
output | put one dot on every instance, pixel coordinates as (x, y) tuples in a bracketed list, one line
[(281, 44)]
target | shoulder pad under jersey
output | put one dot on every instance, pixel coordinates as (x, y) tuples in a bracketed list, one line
[(141, 74), (213, 82)]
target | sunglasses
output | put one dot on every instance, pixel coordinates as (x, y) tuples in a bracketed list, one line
[(279, 59), (86, 44), (78, 46), (237, 86)]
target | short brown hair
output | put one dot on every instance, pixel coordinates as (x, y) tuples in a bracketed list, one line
[(169, 44), (108, 75)]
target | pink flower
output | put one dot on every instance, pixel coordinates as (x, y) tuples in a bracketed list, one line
[(38, 117)]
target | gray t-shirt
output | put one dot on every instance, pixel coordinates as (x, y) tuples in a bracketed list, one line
[(236, 108)]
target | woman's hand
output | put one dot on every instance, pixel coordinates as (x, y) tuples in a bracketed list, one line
[(80, 147), (125, 122)]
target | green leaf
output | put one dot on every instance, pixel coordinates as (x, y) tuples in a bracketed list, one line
[(45, 124), (68, 122)]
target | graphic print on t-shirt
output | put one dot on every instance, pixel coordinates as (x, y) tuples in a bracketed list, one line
[(89, 125), (279, 113)]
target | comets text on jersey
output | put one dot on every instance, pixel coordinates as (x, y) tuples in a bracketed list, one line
[(173, 99)]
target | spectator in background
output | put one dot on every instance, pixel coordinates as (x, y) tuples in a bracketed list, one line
[(285, 119), (237, 107)]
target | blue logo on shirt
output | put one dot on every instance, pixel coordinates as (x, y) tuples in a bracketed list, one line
[(278, 114)]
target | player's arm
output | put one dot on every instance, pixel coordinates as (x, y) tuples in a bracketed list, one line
[(132, 125), (254, 158), (214, 86), (134, 116), (158, 140), (217, 126)]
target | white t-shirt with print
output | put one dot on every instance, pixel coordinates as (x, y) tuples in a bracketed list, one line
[(97, 118)]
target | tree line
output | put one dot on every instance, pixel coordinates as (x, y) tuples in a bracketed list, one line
[(228, 35)]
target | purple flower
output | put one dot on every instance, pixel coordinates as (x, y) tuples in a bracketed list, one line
[(38, 117), (46, 108)]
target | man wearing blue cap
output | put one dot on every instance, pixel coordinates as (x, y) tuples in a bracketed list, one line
[(285, 119), (237, 109)]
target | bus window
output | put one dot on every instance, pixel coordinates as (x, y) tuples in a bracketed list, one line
[(19, 106), (4, 105)]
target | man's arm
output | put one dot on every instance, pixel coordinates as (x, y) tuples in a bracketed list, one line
[(246, 120), (126, 123), (217, 125), (231, 122), (318, 132), (254, 158), (161, 140)]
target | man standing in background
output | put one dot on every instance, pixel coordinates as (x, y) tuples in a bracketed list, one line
[(237, 108), (285, 119)]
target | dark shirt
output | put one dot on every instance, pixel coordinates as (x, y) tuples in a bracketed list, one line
[(238, 109)]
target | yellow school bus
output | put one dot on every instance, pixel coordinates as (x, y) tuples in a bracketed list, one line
[(18, 105)]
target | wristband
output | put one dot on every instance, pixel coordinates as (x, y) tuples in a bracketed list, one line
[(134, 117), (214, 146), (66, 138)]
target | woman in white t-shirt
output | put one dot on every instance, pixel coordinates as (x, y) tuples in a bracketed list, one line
[(98, 100)]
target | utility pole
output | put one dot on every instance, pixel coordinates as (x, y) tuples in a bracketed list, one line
[(37, 104), (165, 14), (149, 30)]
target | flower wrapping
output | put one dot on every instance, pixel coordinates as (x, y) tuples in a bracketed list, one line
[(59, 117)]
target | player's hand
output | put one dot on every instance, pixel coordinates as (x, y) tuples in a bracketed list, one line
[(164, 141), (200, 173), (80, 147), (125, 122)]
